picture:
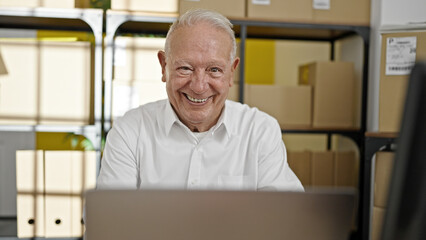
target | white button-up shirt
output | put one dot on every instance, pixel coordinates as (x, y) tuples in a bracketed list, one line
[(149, 147)]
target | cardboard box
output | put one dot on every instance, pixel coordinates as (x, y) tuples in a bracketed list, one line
[(393, 87), (291, 105), (290, 54), (346, 169), (333, 92), (325, 168), (382, 177), (47, 83), (289, 10), (165, 6), (231, 9), (301, 164), (350, 12), (322, 169), (377, 222), (305, 142), (45, 3)]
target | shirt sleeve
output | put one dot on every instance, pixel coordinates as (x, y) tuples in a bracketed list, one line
[(273, 169), (119, 165)]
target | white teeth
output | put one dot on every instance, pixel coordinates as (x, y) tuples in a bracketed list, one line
[(196, 100)]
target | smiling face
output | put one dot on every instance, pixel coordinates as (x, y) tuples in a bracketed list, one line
[(198, 72)]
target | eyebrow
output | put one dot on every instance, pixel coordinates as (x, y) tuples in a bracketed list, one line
[(218, 63)]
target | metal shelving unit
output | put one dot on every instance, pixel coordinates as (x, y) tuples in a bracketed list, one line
[(374, 142), (118, 22), (88, 20), (126, 22)]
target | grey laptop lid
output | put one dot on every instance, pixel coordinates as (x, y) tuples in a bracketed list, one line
[(217, 215)]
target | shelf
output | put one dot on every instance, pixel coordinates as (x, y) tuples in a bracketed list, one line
[(420, 26), (144, 22), (298, 31), (119, 22), (90, 20), (48, 128), (295, 129), (51, 18), (382, 134)]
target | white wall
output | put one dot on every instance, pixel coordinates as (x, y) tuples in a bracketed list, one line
[(397, 12)]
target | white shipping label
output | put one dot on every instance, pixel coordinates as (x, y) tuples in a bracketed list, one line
[(400, 55), (321, 4), (120, 52), (261, 2)]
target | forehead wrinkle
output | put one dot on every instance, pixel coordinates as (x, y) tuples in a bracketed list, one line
[(203, 44)]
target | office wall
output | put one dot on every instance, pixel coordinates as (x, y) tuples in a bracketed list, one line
[(403, 12)]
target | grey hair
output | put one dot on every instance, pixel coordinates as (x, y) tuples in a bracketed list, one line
[(195, 16)]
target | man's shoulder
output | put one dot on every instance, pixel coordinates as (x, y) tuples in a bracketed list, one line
[(247, 114), (148, 110)]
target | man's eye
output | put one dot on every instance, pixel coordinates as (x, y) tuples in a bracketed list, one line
[(184, 70), (215, 70)]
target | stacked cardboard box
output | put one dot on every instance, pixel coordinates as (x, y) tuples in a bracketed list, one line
[(232, 9), (332, 94), (351, 12), (399, 52), (325, 168), (328, 12), (50, 187), (382, 176), (290, 105)]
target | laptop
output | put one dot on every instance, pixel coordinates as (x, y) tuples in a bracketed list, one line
[(218, 215)]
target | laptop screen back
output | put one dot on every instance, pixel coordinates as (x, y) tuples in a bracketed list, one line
[(194, 215)]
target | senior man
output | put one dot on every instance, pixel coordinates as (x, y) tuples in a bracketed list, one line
[(196, 139)]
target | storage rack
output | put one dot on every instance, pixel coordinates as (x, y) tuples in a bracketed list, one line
[(88, 20), (374, 142), (63, 19), (118, 22)]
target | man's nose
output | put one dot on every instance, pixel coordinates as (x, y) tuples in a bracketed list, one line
[(199, 82)]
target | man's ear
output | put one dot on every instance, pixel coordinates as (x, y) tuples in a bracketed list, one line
[(162, 59), (235, 64), (233, 68)]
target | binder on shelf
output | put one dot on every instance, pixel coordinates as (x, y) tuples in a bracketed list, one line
[(63, 177), (30, 193)]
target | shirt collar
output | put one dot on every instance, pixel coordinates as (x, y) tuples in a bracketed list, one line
[(224, 120), (171, 118)]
